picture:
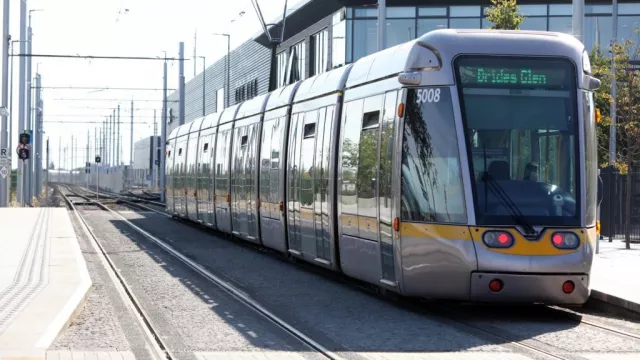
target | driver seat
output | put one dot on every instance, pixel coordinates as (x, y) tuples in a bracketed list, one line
[(499, 170)]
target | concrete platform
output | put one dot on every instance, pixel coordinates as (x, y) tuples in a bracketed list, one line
[(43, 279), (615, 276)]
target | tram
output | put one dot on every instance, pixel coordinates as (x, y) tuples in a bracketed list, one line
[(460, 165)]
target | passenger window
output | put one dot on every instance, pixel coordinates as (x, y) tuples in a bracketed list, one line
[(432, 188), (350, 152), (309, 130), (368, 168)]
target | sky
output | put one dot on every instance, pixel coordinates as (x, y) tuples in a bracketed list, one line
[(144, 28)]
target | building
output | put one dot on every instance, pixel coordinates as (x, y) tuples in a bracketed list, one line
[(324, 34), (143, 161)]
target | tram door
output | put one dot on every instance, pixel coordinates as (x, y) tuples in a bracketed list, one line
[(308, 174), (366, 197), (244, 169)]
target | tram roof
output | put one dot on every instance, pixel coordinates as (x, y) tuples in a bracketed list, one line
[(437, 48), (322, 84), (252, 107), (282, 96), (173, 134), (451, 42), (229, 114), (210, 121)]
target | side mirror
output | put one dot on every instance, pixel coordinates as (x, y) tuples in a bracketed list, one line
[(593, 83)]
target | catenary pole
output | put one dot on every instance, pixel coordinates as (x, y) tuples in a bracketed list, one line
[(22, 120), (5, 182), (163, 139)]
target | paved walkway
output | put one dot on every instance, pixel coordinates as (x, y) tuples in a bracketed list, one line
[(43, 279), (616, 274)]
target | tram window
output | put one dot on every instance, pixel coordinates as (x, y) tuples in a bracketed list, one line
[(368, 167), (309, 130), (432, 188), (520, 122), (371, 120), (352, 117)]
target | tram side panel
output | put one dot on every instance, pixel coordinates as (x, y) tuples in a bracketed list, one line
[(310, 160), (272, 176), (192, 175), (169, 181), (206, 178), (438, 253), (222, 182), (244, 179), (179, 176), (360, 133)]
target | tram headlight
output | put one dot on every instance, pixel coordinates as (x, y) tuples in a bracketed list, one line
[(497, 239), (565, 240)]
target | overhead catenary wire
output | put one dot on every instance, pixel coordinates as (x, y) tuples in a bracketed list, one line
[(97, 57), (98, 88), (136, 100)]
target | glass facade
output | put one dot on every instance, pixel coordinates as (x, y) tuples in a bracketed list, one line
[(320, 47), (408, 22)]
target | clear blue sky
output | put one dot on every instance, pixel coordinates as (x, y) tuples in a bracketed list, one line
[(105, 27)]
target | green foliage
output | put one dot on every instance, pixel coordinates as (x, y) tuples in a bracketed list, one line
[(627, 102), (505, 15)]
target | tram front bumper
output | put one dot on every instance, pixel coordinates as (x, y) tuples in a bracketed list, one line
[(529, 288)]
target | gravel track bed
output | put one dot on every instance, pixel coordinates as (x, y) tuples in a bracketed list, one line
[(190, 313), (344, 319), (364, 323), (106, 323)]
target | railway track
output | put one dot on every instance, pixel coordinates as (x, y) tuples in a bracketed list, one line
[(445, 313), (154, 337)]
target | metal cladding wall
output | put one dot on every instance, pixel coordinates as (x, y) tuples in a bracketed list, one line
[(250, 62)]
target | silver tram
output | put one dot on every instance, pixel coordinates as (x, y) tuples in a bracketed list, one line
[(460, 165)]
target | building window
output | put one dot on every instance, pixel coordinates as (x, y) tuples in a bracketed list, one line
[(341, 40), (220, 100), (320, 47), (297, 63), (281, 69)]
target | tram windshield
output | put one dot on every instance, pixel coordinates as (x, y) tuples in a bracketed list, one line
[(521, 127)]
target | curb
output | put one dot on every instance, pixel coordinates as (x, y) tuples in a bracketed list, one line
[(76, 302), (615, 301)]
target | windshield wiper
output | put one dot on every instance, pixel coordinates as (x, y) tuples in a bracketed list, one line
[(503, 197), (509, 204)]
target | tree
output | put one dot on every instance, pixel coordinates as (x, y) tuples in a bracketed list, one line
[(505, 15), (628, 114), (52, 166)]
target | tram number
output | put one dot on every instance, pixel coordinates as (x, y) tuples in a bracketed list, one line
[(428, 95)]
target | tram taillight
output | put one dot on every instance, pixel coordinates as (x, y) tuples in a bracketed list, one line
[(565, 240), (497, 239)]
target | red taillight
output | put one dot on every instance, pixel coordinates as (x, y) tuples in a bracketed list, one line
[(568, 287), (557, 239), (497, 239), (495, 285), (503, 239), (565, 240)]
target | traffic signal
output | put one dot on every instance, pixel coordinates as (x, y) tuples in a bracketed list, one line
[(23, 154), (25, 139)]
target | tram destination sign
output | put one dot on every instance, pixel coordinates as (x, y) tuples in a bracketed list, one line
[(512, 77)]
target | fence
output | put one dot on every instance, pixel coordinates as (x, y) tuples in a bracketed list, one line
[(613, 210)]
